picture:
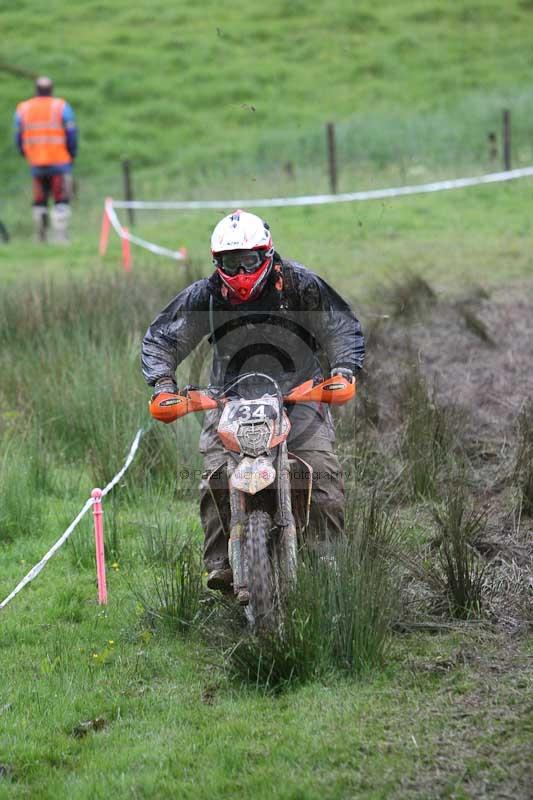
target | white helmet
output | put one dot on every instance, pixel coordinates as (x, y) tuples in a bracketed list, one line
[(241, 231), (248, 242)]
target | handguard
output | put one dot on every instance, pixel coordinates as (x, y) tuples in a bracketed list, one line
[(168, 406), (335, 391)]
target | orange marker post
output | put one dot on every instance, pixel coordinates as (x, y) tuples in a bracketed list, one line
[(104, 231), (126, 251), (98, 516)]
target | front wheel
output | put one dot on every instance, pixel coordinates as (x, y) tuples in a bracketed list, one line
[(261, 580)]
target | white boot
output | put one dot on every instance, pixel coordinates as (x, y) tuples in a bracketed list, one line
[(40, 219), (60, 216)]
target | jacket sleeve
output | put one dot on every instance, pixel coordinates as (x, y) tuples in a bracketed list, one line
[(71, 130), (175, 333), (333, 324), (17, 133)]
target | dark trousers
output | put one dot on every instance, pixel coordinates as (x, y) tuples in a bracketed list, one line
[(57, 186)]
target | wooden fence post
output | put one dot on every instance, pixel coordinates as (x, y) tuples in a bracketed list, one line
[(4, 235), (332, 156), (506, 139), (128, 188)]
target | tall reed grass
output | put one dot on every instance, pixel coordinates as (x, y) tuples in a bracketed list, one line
[(463, 571), (23, 481), (523, 469), (69, 359), (170, 587), (337, 617), (427, 441)]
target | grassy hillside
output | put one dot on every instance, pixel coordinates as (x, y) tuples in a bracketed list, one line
[(213, 99), (199, 90)]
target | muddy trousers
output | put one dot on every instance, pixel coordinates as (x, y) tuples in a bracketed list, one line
[(327, 502)]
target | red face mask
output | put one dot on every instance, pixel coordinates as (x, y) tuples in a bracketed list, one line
[(246, 285)]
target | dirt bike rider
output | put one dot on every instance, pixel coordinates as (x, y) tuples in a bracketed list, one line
[(267, 314)]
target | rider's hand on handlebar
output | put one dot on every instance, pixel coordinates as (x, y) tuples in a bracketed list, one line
[(167, 385), (344, 373)]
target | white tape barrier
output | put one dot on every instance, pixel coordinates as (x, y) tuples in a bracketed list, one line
[(323, 199), (131, 455), (44, 560), (179, 255)]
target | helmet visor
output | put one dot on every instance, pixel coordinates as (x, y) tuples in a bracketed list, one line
[(235, 260)]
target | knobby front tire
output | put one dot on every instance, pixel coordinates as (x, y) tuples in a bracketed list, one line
[(260, 575)]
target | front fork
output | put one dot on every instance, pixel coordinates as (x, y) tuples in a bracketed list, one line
[(237, 501), (283, 520)]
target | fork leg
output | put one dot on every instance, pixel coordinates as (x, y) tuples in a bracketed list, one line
[(235, 549), (286, 519)]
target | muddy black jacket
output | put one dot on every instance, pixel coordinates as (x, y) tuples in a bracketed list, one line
[(298, 327)]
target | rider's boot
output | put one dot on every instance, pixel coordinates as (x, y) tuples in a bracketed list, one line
[(60, 216)]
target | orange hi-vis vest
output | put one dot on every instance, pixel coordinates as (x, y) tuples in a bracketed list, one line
[(43, 136)]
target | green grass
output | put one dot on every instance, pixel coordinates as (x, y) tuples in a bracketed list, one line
[(196, 95), (174, 723), (414, 87), (172, 728), (197, 85), (478, 235)]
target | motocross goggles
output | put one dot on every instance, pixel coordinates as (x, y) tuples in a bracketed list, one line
[(233, 261)]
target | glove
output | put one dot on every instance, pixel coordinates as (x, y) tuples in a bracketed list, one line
[(167, 385), (343, 372)]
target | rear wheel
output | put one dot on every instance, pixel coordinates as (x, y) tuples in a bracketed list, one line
[(261, 578)]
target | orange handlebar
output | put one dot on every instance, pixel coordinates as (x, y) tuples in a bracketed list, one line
[(168, 407), (335, 391)]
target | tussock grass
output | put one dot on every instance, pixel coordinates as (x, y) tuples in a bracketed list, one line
[(23, 480), (523, 469), (475, 324), (450, 565), (409, 296), (365, 456), (459, 524), (272, 660), (427, 439), (367, 465), (335, 619), (364, 587), (171, 591)]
